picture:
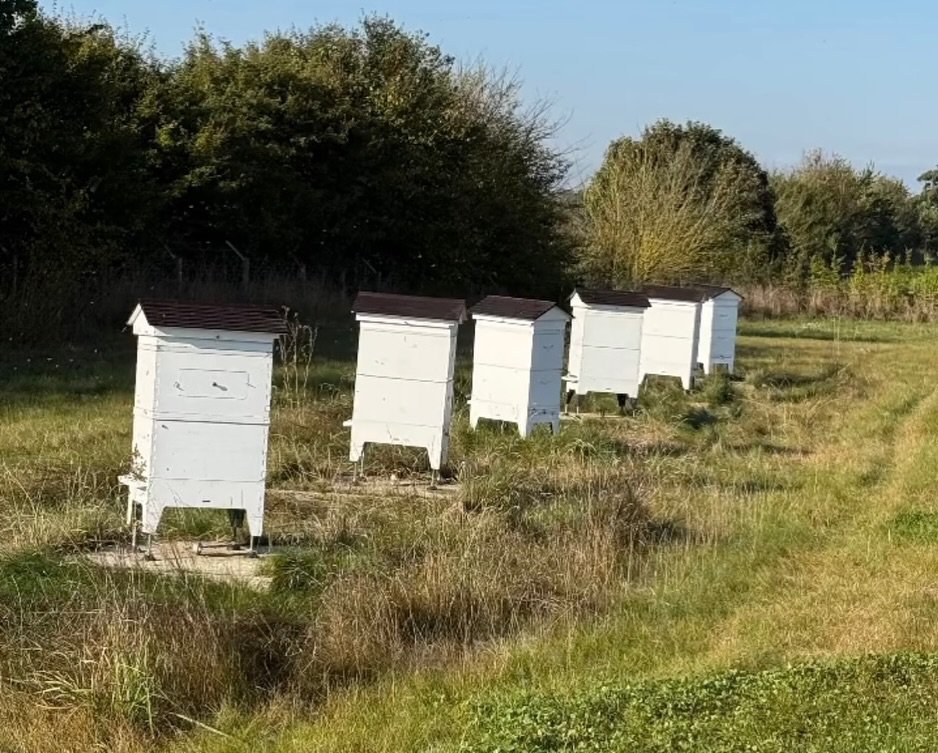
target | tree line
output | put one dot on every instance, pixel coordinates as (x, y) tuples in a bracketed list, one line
[(362, 155), (367, 156), (686, 201)]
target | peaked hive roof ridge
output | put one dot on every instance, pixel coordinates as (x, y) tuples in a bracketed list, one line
[(410, 306), (630, 298), (197, 315), (692, 293), (530, 309)]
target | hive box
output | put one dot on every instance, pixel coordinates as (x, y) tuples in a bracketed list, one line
[(404, 376), (718, 316), (670, 332), (517, 362), (201, 409), (605, 341)]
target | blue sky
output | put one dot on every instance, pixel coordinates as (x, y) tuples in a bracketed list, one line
[(854, 77)]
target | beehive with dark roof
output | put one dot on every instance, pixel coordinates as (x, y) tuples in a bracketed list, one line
[(201, 408), (517, 361)]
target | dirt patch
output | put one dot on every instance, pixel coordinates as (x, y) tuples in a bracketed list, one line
[(181, 557)]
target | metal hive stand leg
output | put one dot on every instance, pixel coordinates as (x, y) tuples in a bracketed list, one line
[(236, 521)]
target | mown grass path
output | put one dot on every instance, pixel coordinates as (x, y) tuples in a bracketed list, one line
[(798, 551), (793, 528)]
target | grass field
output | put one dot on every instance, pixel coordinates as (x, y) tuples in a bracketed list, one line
[(750, 567)]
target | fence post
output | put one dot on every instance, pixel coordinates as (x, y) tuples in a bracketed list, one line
[(14, 271), (299, 265), (178, 262), (245, 265)]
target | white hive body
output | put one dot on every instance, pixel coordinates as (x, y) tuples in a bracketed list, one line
[(201, 409), (404, 376), (718, 317), (517, 362), (672, 327), (605, 341)]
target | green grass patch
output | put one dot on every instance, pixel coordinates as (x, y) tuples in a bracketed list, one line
[(881, 703), (915, 525)]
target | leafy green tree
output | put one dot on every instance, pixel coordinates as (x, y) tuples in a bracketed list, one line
[(680, 202), (75, 190), (833, 213), (363, 153)]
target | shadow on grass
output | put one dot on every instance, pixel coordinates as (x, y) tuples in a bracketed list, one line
[(767, 448), (800, 331), (665, 531)]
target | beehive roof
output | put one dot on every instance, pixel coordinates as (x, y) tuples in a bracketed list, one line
[(713, 291), (612, 297), (513, 308), (411, 306), (192, 315), (692, 293)]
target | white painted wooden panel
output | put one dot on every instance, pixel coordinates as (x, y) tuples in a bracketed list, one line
[(718, 333), (161, 494), (403, 385), (609, 370), (409, 435), (222, 387), (705, 339), (670, 320), (500, 385), (400, 401), (669, 339), (208, 452), (142, 447), (205, 493), (545, 391), (548, 351), (497, 411), (604, 357), (517, 368), (144, 394), (608, 330), (408, 352), (577, 334), (509, 348)]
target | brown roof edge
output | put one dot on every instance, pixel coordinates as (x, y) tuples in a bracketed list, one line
[(713, 291), (625, 298), (687, 293), (696, 293), (197, 315), (410, 306), (529, 309)]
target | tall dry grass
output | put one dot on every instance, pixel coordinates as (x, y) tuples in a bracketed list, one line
[(875, 290)]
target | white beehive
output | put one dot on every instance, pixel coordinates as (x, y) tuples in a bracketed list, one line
[(201, 409), (718, 315), (517, 362), (404, 377), (670, 332), (605, 342)]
